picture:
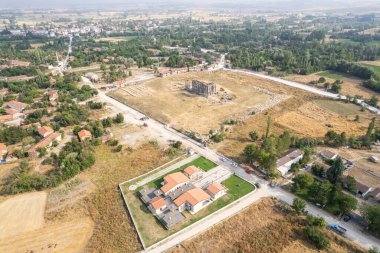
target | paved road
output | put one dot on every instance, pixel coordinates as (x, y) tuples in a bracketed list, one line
[(303, 87), (166, 170), (354, 232)]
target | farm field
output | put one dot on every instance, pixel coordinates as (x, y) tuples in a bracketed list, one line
[(321, 116), (115, 39), (25, 212), (262, 227), (69, 236), (351, 85), (187, 111), (373, 66), (152, 231)]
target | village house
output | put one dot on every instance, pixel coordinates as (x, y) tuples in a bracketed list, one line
[(19, 106), (284, 164), (216, 190), (84, 135), (53, 95), (193, 172), (45, 131), (375, 194), (192, 200), (327, 154), (3, 150), (5, 118), (15, 63), (362, 189), (174, 181), (157, 205), (15, 113), (44, 143)]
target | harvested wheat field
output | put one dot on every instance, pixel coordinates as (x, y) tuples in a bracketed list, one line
[(351, 85), (165, 99), (263, 227), (22, 213), (316, 121), (69, 236)]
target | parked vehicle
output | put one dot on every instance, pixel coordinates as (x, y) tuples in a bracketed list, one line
[(337, 228)]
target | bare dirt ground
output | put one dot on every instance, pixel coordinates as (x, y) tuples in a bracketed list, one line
[(262, 227), (22, 213), (375, 63), (351, 86), (69, 236), (166, 100)]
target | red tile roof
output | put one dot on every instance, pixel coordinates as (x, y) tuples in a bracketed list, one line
[(158, 202), (193, 197), (191, 170), (173, 180), (44, 130), (215, 188)]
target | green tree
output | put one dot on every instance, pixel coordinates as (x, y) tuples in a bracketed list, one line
[(315, 236), (119, 118), (346, 203), (371, 214), (253, 135), (336, 170), (303, 181), (299, 205), (351, 183)]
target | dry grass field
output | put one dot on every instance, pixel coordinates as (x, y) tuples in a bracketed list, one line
[(261, 228), (21, 214), (317, 118), (69, 236), (351, 85), (166, 100)]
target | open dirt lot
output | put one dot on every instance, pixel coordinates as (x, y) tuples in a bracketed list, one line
[(351, 85), (21, 214), (364, 171), (69, 236), (260, 228), (166, 100)]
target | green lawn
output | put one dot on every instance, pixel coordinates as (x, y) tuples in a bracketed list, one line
[(237, 186), (373, 67), (200, 162), (333, 74), (344, 109)]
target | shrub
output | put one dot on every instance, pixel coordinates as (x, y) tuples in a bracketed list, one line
[(316, 237)]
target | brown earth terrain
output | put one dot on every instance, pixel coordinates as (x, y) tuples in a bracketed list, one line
[(262, 227), (166, 100)]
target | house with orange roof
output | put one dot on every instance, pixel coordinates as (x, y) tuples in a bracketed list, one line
[(44, 143), (19, 106), (193, 172), (157, 205), (193, 200), (84, 135), (5, 118), (45, 131), (174, 181), (3, 150), (216, 190)]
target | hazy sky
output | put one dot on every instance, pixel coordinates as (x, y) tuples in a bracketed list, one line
[(103, 4)]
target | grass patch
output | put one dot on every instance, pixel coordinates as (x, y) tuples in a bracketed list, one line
[(344, 109), (237, 186), (200, 162), (151, 229), (333, 74), (376, 69)]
